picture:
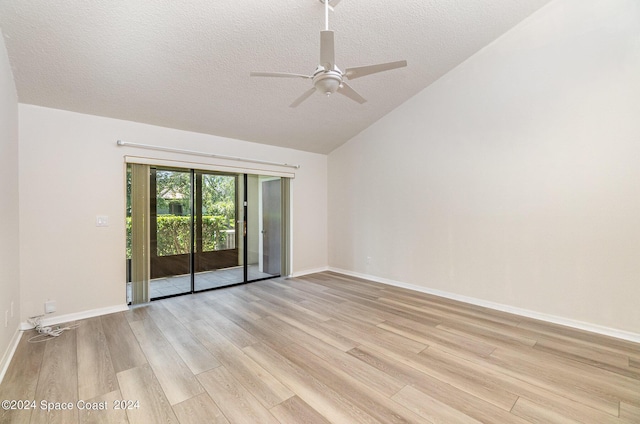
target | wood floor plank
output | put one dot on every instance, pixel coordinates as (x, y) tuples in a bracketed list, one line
[(58, 380), (141, 385), (274, 290), (562, 332), (497, 337), (243, 292), (378, 405), (429, 408), (364, 334), (315, 292), (365, 312), (199, 409), (186, 308), (233, 332), (353, 286), (339, 311), (629, 413), (123, 347), (288, 299), (407, 310), (92, 411), (536, 374), (231, 306), (534, 413), (448, 309), (323, 399), (584, 344), (288, 334), (614, 362), (389, 310), (437, 389), (176, 379), (343, 362), (444, 366), (138, 312), (593, 378), (562, 380), (634, 363), (96, 375), (21, 379), (296, 411), (476, 386), (541, 396), (310, 327), (192, 352), (543, 409), (234, 399), (439, 338), (587, 349), (262, 330), (264, 386)]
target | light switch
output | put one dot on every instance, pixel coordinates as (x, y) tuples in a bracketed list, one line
[(102, 221)]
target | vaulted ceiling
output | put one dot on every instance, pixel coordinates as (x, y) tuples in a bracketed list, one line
[(186, 64)]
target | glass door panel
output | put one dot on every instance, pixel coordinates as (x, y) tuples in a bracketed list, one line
[(171, 232), (217, 261), (263, 227), (271, 203)]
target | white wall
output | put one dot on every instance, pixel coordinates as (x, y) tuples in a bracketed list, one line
[(9, 217), (515, 178), (71, 170)]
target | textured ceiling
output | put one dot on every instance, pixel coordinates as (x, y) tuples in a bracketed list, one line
[(186, 64)]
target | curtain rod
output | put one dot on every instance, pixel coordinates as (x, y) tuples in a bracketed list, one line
[(210, 155)]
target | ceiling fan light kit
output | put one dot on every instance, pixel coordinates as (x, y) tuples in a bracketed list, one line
[(327, 82), (328, 78)]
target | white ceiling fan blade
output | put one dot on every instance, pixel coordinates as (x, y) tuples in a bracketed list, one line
[(353, 73), (346, 90), (304, 97), (279, 75), (327, 54)]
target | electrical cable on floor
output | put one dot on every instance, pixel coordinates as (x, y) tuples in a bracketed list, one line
[(47, 333)]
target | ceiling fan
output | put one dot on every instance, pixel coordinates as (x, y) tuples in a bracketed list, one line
[(328, 78)]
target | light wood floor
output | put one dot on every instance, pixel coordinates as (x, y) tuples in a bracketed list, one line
[(325, 348)]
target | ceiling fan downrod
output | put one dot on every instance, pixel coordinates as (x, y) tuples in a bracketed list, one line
[(326, 15)]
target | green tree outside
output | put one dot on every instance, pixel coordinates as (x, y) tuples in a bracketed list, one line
[(174, 229)]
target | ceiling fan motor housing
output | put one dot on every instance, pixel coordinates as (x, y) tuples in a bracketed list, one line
[(327, 81)]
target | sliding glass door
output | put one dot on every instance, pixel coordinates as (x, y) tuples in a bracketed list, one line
[(171, 231), (264, 240), (217, 243), (211, 229)]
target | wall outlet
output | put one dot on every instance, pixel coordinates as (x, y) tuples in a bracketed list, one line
[(368, 260), (102, 221), (49, 306)]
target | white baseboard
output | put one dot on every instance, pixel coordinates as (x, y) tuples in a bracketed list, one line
[(53, 320), (310, 271), (567, 322), (8, 354)]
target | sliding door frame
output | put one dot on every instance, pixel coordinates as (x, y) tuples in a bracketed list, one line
[(242, 175)]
